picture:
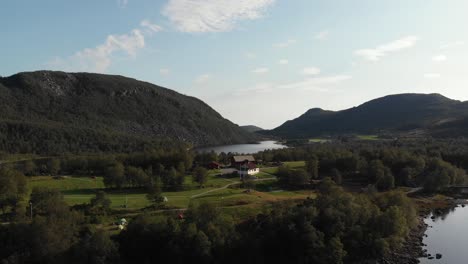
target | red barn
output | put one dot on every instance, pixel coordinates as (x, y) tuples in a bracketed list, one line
[(214, 165), (237, 161)]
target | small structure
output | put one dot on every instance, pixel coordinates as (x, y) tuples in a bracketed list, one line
[(248, 169), (122, 223), (237, 161), (180, 216), (214, 165)]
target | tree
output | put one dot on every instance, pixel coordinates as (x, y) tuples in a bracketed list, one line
[(137, 177), (386, 181), (155, 193), (299, 178), (376, 171), (100, 204), (29, 168), (336, 176), (13, 188), (312, 167), (173, 179), (48, 202), (95, 248), (114, 176), (54, 167), (200, 175), (437, 175), (283, 173)]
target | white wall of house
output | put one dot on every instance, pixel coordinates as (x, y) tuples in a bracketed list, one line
[(249, 172)]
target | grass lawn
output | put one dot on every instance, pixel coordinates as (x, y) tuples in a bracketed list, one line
[(18, 157), (368, 137), (295, 164), (291, 164), (270, 170), (318, 140), (66, 183), (263, 175), (79, 190)]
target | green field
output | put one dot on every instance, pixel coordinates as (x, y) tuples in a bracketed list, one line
[(295, 164), (80, 189), (273, 170), (368, 137), (67, 183), (318, 140)]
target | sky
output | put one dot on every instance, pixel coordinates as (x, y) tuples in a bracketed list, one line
[(256, 62)]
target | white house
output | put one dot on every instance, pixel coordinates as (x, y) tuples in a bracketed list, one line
[(248, 169)]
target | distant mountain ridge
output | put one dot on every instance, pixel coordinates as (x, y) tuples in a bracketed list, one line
[(106, 106), (251, 128), (432, 114)]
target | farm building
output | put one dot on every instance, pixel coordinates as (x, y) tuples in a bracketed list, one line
[(237, 161), (214, 165)]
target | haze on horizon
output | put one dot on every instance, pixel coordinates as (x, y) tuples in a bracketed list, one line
[(258, 62)]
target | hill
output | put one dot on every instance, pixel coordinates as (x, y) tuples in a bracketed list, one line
[(252, 129), (48, 111), (431, 114)]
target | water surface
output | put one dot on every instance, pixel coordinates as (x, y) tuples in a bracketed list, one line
[(244, 148), (448, 236)]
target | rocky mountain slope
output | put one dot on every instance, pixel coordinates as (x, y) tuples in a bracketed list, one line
[(83, 106)]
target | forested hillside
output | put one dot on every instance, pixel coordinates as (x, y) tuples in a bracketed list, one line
[(53, 112)]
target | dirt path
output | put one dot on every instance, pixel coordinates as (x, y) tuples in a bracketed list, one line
[(227, 186)]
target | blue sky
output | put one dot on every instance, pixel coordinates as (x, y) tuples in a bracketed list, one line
[(258, 62)]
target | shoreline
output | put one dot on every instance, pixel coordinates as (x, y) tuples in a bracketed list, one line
[(412, 249)]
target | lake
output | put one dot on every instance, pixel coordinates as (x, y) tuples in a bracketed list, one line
[(448, 236), (244, 148)]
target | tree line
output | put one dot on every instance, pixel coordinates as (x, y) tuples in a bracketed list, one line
[(432, 165)]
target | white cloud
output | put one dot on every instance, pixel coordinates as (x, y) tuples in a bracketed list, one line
[(450, 45), (164, 71), (323, 35), (283, 62), (318, 83), (375, 54), (203, 78), (432, 75), (99, 58), (310, 71), (122, 3), (213, 15), (260, 70), (285, 44), (439, 58), (149, 27)]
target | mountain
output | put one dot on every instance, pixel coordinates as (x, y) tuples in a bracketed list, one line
[(252, 129), (433, 114), (95, 112)]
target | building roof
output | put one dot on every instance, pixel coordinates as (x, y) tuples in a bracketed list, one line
[(249, 158)]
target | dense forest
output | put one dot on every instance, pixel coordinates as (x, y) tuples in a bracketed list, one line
[(432, 164), (334, 226)]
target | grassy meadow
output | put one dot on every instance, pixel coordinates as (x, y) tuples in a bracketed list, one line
[(221, 190)]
